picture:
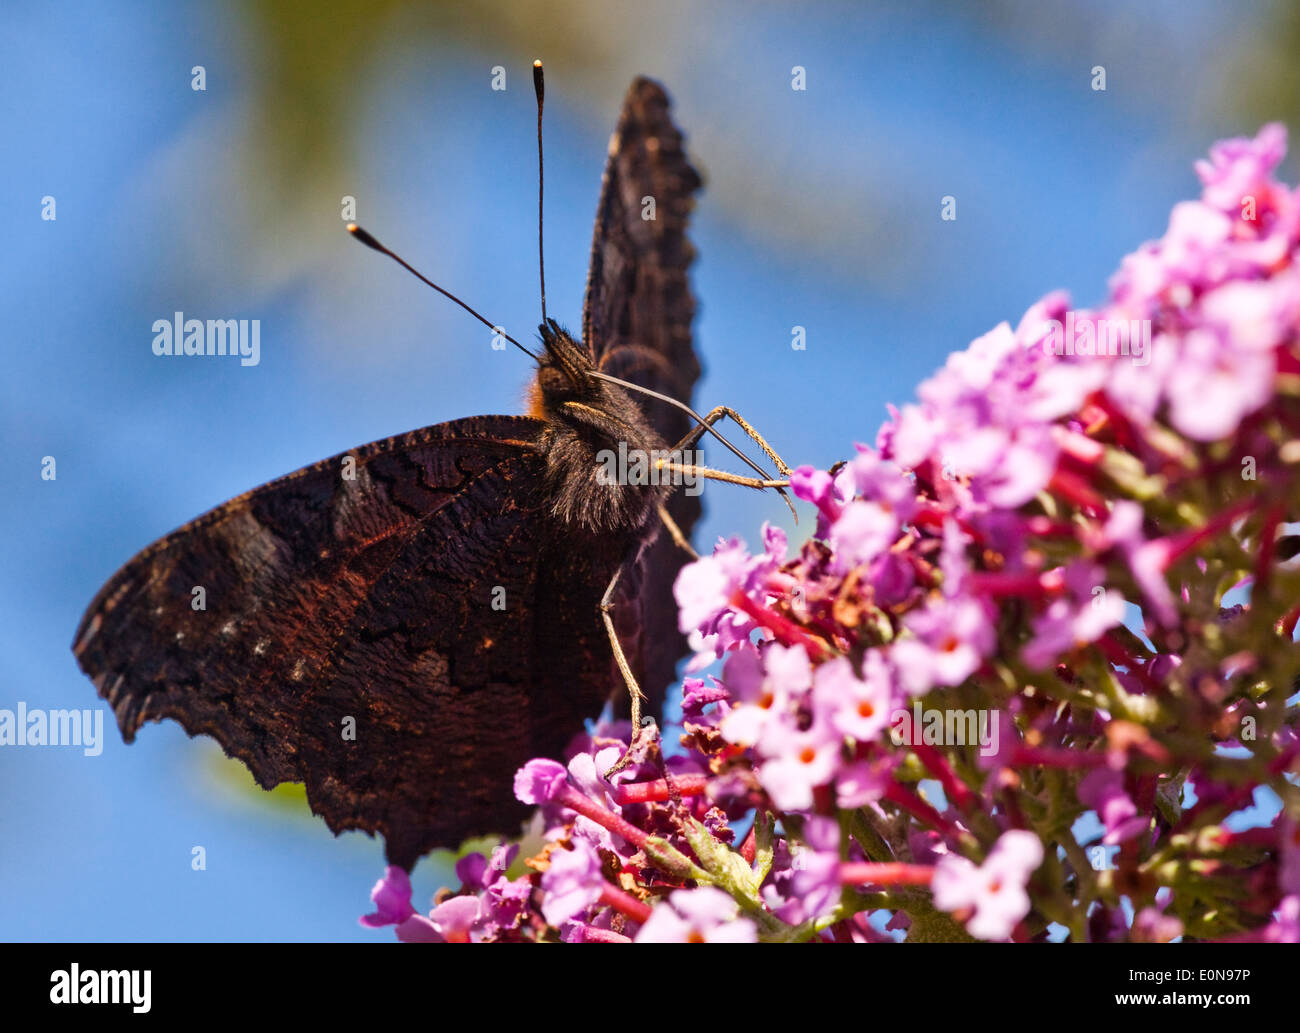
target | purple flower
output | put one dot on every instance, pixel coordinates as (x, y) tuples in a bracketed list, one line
[(696, 695), (478, 872), (392, 899), (995, 891), (858, 708), (539, 781), (951, 639), (818, 487), (454, 919), (502, 901), (815, 870), (765, 689), (572, 883), (1076, 619), (505, 903), (1103, 791), (1241, 167), (704, 915)]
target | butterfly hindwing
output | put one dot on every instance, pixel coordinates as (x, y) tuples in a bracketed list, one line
[(479, 647), (344, 591)]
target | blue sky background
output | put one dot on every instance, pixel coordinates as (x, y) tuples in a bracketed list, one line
[(822, 210)]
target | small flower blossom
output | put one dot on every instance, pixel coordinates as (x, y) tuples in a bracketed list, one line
[(704, 915), (800, 761), (572, 883), (765, 691), (1103, 790), (392, 898), (453, 920), (858, 708), (539, 780), (949, 642), (995, 891)]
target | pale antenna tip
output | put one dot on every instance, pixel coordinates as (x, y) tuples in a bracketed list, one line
[(364, 237)]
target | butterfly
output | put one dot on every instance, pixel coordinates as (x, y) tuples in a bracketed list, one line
[(401, 626)]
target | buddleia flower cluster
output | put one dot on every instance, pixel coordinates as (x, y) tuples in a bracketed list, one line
[(1033, 675)]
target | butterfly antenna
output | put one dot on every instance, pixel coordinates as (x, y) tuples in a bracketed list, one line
[(539, 87), (370, 242)]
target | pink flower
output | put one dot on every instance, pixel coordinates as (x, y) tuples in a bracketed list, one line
[(704, 588), (864, 782), (1215, 384), (858, 708), (1241, 167), (704, 591), (863, 531), (1074, 620), (1103, 791), (995, 891), (765, 689), (800, 762), (704, 915), (572, 883), (453, 920), (950, 640), (539, 780)]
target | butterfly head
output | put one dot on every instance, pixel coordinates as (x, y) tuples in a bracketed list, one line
[(565, 367)]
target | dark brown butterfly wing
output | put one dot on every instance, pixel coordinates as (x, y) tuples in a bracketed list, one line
[(637, 324), (407, 598)]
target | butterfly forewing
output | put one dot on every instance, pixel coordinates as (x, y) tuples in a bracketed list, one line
[(306, 615), (637, 326)]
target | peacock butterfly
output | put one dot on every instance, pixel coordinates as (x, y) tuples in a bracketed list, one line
[(437, 594)]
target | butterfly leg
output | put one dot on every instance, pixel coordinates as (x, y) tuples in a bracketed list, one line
[(714, 416), (675, 532), (620, 658), (719, 475)]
